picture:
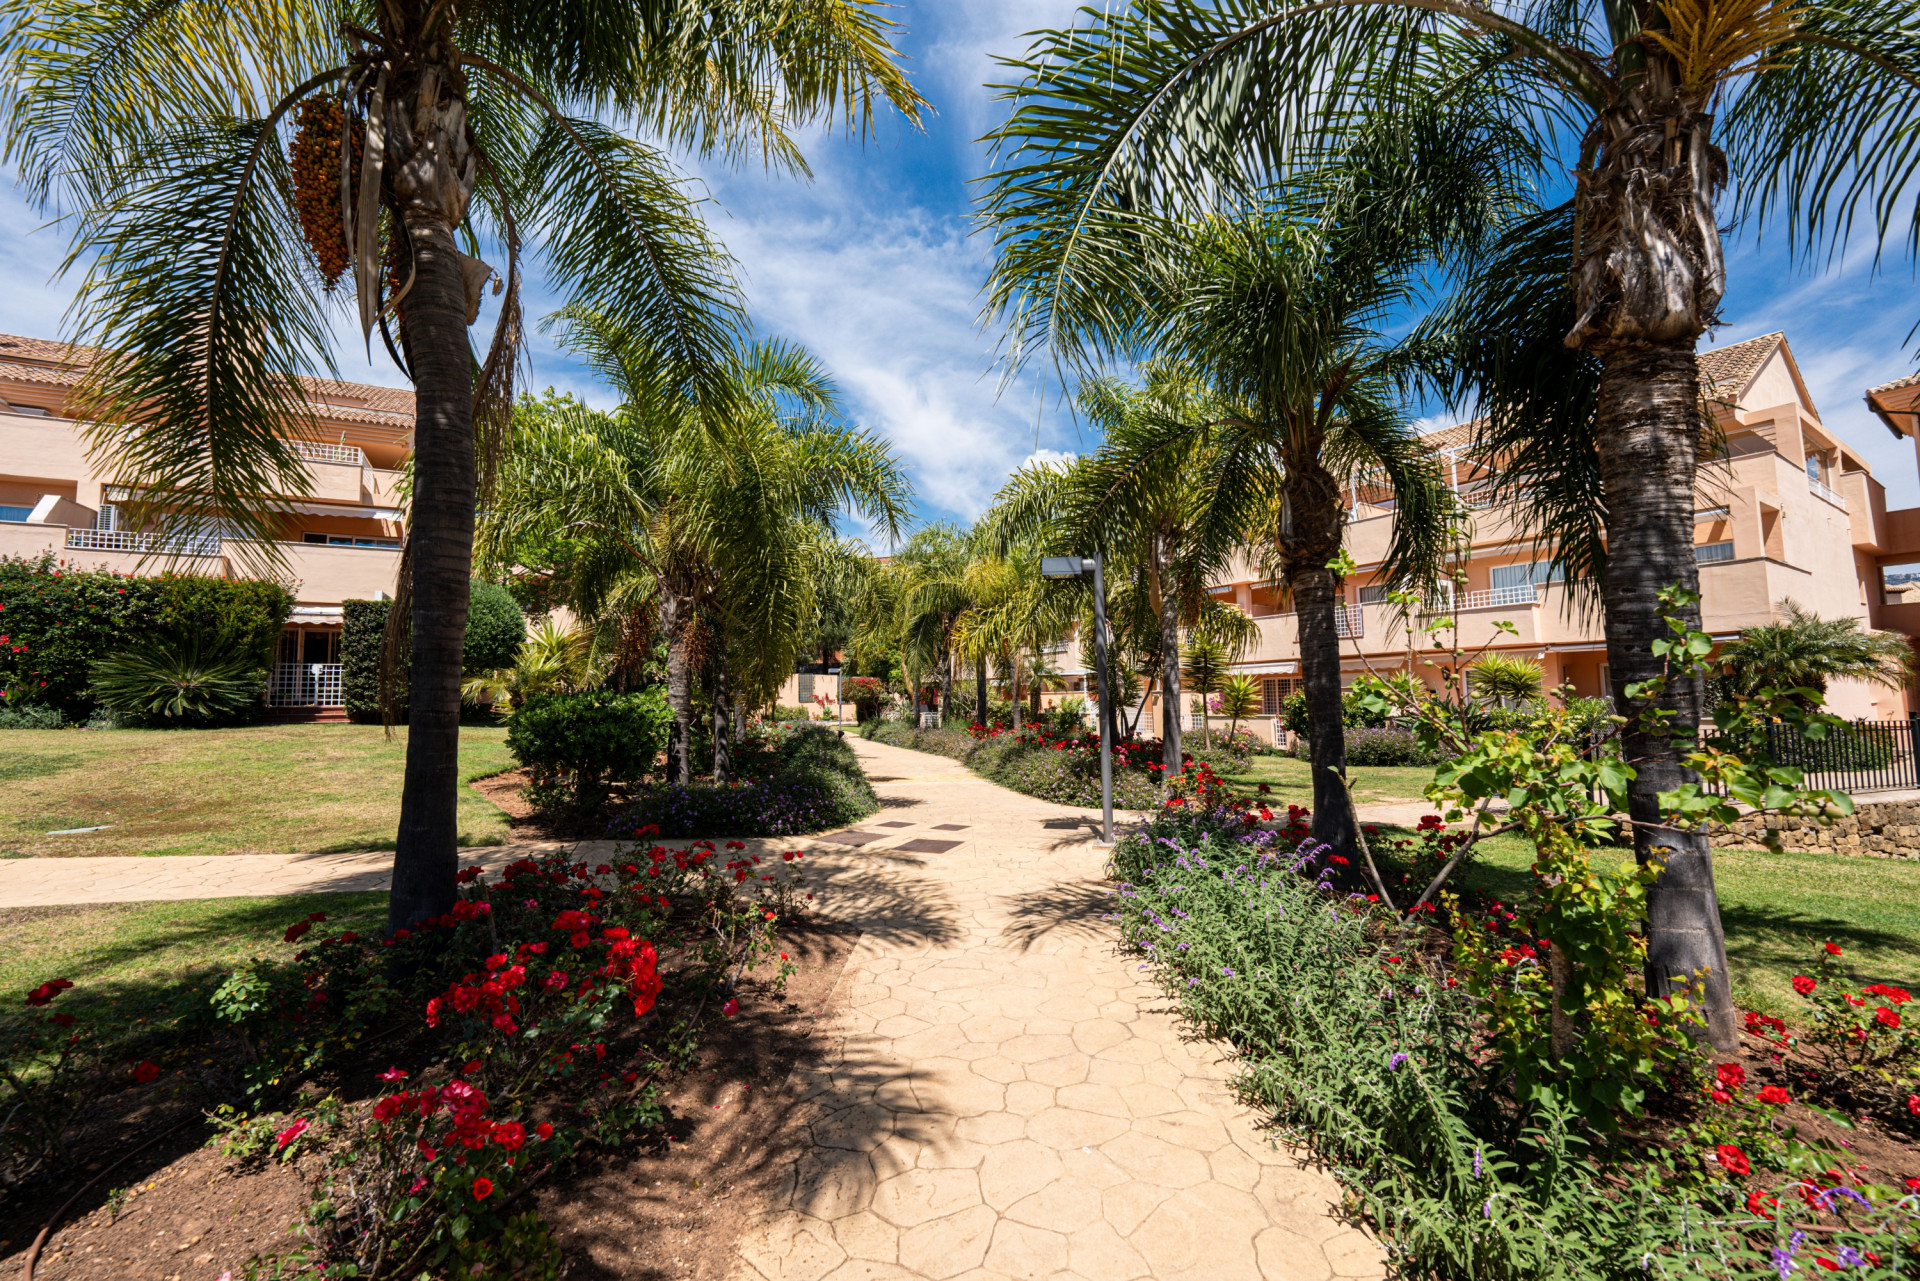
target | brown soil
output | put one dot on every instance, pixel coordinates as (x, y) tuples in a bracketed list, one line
[(524, 823), (671, 1208)]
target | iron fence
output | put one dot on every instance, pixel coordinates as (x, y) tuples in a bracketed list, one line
[(1858, 756)]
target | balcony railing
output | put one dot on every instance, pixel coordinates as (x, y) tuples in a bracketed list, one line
[(1493, 598), (305, 685), (121, 540), (318, 453), (1349, 622), (1823, 490)]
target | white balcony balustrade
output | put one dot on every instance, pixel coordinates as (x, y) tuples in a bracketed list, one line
[(122, 540)]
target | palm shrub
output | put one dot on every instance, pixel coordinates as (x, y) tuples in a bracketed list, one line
[(1803, 651), (197, 680), (1508, 681), (1239, 700)]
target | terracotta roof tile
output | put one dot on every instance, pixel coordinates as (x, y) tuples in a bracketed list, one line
[(60, 364), (1727, 370), (1896, 384)]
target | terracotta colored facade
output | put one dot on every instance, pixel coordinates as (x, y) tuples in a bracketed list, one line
[(1791, 513), (341, 540)]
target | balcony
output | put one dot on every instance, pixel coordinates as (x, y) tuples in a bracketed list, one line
[(1492, 598), (318, 453), (1821, 489), (121, 540)]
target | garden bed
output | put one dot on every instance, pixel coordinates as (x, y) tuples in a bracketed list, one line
[(671, 1207), (1370, 1043), (1064, 769)]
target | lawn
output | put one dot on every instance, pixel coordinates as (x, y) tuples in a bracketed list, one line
[(259, 790), (1292, 780), (1777, 909), (135, 963)]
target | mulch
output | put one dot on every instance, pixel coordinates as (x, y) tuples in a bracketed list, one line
[(671, 1207)]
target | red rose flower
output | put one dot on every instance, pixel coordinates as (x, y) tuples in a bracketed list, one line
[(510, 1135), (1804, 984), (1913, 1104), (292, 1132), (731, 1008), (1732, 1076), (482, 1188), (1833, 949), (1721, 1096), (1774, 1094), (146, 1071), (1733, 1160), (543, 1131), (1886, 1017)]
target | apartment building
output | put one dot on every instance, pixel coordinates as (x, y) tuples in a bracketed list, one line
[(341, 540), (1791, 512)]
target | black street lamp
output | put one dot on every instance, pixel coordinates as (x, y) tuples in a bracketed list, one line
[(1089, 567)]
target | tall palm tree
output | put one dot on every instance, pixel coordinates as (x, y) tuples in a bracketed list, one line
[(728, 521), (156, 127), (933, 596), (1581, 328), (1140, 502)]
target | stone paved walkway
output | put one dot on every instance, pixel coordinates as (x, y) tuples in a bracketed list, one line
[(1005, 1096)]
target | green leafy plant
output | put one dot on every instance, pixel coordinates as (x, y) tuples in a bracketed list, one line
[(495, 628), (198, 679), (579, 745)]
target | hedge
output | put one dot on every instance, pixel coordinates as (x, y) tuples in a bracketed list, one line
[(56, 622), (495, 631)]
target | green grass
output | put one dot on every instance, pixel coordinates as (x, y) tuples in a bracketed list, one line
[(1777, 909), (260, 790), (1292, 780), (144, 963)]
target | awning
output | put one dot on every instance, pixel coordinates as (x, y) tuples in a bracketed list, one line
[(1265, 669)]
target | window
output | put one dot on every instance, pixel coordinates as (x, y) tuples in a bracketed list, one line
[(1606, 681), (1707, 515), (1374, 594), (1274, 691), (1813, 467), (15, 513), (806, 687), (1709, 553), (107, 518), (345, 540), (1535, 572)]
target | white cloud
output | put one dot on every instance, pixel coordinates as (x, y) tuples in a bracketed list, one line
[(1049, 458)]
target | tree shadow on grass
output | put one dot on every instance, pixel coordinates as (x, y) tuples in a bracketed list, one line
[(1760, 936)]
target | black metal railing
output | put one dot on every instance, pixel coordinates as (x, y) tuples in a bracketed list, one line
[(1858, 756)]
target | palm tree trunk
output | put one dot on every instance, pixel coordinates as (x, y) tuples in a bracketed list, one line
[(1170, 754), (1013, 668), (676, 624), (1314, 601), (722, 717), (980, 690), (1647, 423), (425, 856), (946, 688)]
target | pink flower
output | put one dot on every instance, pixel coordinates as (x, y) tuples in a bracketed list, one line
[(291, 1133), (419, 1181), (731, 1008), (393, 1074)]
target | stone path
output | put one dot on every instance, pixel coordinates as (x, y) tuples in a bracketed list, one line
[(1005, 1096)]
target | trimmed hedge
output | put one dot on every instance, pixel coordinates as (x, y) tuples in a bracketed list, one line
[(57, 622), (364, 623), (1068, 778), (813, 781), (495, 631)]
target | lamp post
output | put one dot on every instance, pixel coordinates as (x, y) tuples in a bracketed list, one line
[(1089, 567)]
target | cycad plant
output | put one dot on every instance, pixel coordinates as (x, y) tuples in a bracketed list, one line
[(194, 680), (1239, 700), (1576, 335), (1505, 680), (1204, 667), (422, 133)]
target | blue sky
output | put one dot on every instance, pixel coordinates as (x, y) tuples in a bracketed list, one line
[(872, 264)]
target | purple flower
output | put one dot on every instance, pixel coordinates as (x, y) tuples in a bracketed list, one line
[(1476, 1163), (1393, 1065)]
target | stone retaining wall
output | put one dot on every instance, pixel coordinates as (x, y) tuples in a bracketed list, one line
[(1888, 829)]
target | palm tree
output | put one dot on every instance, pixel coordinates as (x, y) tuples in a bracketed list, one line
[(1576, 335), (1204, 669), (728, 522), (157, 130), (1804, 652), (1281, 313), (933, 596), (1239, 699)]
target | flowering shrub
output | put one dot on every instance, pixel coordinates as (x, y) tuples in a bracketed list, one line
[(537, 1004), (1863, 1038), (1064, 768), (48, 1078)]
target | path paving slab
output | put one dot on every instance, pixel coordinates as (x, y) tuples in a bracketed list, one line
[(1004, 1095)]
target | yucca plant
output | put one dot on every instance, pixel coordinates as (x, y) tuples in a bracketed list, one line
[(1239, 700), (198, 679), (1503, 679)]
